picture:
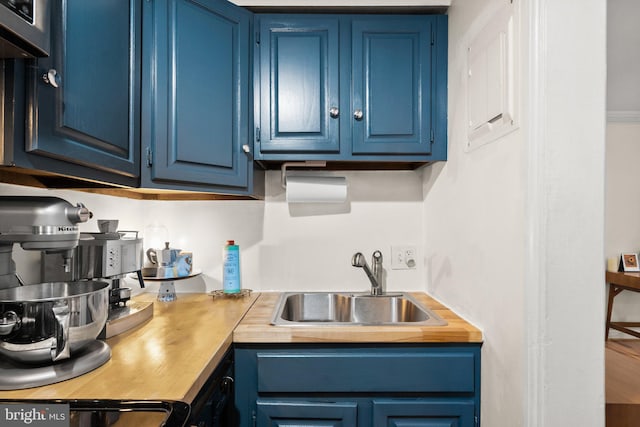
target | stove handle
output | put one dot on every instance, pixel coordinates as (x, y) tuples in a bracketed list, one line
[(226, 391)]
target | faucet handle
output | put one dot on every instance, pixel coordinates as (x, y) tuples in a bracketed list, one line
[(375, 276), (378, 273), (358, 260)]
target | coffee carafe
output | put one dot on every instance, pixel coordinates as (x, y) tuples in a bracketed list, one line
[(165, 259)]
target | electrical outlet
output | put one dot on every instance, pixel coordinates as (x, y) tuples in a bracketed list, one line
[(404, 257)]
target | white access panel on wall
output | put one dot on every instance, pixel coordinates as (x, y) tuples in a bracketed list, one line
[(491, 92)]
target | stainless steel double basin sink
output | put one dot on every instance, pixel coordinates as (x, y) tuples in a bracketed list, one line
[(345, 309)]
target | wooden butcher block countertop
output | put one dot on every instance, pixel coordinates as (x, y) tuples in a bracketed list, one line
[(167, 358), (256, 328), (172, 355)]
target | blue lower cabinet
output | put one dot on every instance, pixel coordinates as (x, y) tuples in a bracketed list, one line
[(281, 413), (431, 385), (400, 412), (424, 413)]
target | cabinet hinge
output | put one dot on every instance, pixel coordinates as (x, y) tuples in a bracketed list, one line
[(477, 421), (433, 38), (149, 157), (257, 134), (432, 137), (253, 418), (257, 37)]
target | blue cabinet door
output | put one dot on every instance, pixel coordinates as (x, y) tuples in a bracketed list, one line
[(85, 121), (394, 77), (423, 413), (352, 88), (299, 84), (430, 385), (283, 413), (341, 371), (196, 96)]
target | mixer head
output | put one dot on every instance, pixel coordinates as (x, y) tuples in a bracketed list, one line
[(38, 224)]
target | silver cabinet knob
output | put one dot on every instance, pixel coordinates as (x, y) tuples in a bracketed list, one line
[(246, 148), (51, 77), (358, 115), (334, 112)]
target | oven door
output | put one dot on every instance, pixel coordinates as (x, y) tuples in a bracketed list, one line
[(105, 413)]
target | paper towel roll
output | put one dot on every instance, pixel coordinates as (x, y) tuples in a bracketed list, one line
[(316, 189)]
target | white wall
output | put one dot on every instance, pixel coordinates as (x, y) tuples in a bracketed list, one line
[(622, 227), (623, 58), (514, 229), (565, 236), (474, 238), (622, 202), (283, 247)]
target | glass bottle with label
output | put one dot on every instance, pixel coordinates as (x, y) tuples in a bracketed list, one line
[(231, 268)]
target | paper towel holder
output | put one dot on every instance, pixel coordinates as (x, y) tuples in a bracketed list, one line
[(305, 164)]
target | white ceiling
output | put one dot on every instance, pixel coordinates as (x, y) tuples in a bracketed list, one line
[(623, 55)]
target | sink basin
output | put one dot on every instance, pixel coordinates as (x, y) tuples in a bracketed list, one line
[(338, 308)]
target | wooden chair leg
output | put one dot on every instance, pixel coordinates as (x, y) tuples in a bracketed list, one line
[(613, 292)]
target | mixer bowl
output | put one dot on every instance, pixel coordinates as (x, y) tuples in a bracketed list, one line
[(47, 322)]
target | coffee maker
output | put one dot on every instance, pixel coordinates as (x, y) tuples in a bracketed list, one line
[(106, 256)]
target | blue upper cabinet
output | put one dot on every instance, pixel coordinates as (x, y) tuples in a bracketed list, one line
[(352, 87), (392, 75), (195, 96), (83, 100), (300, 89)]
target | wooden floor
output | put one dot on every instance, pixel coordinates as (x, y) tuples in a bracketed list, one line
[(622, 380)]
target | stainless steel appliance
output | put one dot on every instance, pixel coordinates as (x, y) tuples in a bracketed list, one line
[(46, 323), (106, 257), (213, 406), (24, 28), (105, 413), (38, 224)]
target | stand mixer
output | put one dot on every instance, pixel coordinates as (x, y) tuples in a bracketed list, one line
[(46, 224), (48, 331)]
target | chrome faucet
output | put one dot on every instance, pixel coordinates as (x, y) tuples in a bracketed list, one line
[(375, 275)]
